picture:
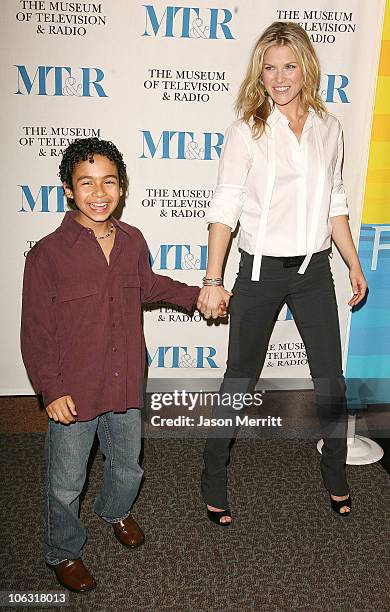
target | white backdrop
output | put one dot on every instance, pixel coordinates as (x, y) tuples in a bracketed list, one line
[(160, 81)]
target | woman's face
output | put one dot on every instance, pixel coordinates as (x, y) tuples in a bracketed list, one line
[(282, 75)]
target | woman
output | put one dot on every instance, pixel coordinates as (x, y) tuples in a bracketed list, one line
[(280, 175)]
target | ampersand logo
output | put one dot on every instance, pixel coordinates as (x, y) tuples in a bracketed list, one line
[(194, 151), (72, 87), (190, 262), (199, 30), (187, 361)]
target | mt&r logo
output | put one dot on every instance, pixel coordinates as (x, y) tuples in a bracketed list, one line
[(170, 144), (188, 22), (60, 81), (199, 357), (179, 257)]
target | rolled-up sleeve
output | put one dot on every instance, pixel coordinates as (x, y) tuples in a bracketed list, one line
[(338, 201), (228, 199)]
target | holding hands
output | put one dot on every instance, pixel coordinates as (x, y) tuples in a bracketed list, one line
[(213, 302)]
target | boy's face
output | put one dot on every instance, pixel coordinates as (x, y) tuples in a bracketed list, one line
[(95, 190)]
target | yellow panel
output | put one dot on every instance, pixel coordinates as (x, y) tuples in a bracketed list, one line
[(376, 211), (384, 62), (379, 155), (381, 127), (376, 207), (386, 25), (376, 190), (382, 95), (378, 176)]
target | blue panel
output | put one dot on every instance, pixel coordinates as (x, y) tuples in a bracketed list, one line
[(369, 343)]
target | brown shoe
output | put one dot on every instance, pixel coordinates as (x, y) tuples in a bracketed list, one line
[(73, 575), (128, 532)]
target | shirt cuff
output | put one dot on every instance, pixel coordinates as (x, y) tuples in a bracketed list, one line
[(338, 205), (223, 212), (53, 392), (191, 298), (221, 218), (226, 205)]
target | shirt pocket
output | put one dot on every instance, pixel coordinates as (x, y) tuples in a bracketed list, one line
[(76, 292), (76, 311), (130, 288)]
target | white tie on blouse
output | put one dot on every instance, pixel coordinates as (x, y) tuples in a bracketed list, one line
[(284, 192)]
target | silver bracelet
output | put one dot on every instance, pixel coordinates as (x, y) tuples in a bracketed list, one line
[(212, 282)]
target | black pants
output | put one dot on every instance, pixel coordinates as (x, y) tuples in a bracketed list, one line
[(253, 309)]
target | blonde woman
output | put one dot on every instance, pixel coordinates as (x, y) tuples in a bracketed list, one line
[(280, 175)]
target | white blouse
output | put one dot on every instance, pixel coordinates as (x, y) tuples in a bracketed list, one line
[(284, 192)]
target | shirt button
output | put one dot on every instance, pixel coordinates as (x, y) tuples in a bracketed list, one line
[(114, 349), (116, 373)]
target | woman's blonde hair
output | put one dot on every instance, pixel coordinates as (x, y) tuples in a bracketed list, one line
[(252, 100)]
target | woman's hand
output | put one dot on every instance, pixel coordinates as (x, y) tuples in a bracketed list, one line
[(358, 284), (213, 302)]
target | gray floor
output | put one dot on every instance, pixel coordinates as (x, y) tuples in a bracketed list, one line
[(286, 550)]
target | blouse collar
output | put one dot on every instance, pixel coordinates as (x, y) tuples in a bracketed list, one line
[(276, 116)]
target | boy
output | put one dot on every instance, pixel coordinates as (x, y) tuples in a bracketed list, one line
[(83, 347)]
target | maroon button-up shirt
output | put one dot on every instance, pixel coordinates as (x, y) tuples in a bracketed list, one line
[(81, 329)]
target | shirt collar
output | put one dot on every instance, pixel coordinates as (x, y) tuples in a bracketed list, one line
[(276, 116), (72, 229)]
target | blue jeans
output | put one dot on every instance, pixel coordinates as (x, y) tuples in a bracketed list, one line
[(67, 450)]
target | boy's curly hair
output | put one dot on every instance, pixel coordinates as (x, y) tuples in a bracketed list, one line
[(82, 149)]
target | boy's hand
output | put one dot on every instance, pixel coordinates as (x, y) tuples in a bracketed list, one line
[(222, 312), (62, 410)]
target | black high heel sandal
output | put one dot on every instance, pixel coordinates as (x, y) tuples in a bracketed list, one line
[(215, 517), (337, 505)]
